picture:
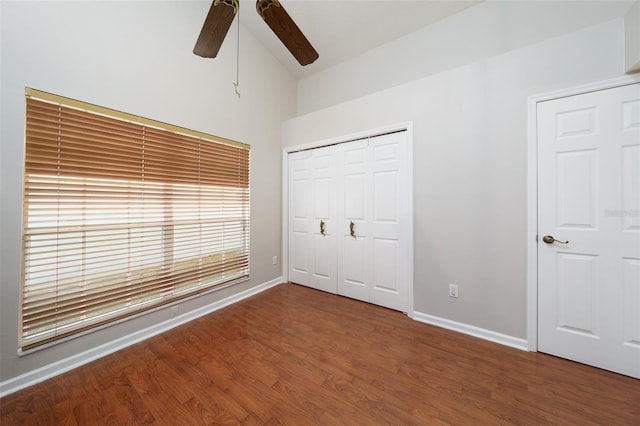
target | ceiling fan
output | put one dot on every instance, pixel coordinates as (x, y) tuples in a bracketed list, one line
[(222, 13)]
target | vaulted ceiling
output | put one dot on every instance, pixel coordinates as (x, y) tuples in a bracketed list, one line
[(342, 29)]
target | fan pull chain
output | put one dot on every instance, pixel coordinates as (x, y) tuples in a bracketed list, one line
[(236, 85)]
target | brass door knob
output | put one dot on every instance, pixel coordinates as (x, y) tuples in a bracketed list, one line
[(550, 240)]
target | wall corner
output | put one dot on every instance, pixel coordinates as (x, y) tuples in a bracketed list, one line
[(632, 39)]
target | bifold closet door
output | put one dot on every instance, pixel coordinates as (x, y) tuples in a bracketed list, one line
[(354, 236), (374, 211), (349, 212), (312, 218)]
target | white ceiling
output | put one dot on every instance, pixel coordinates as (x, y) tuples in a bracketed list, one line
[(342, 29)]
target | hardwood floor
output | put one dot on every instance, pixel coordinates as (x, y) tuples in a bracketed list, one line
[(297, 356)]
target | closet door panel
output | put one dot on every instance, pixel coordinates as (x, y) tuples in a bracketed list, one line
[(386, 290), (385, 203), (387, 287), (354, 176), (354, 250), (312, 213), (324, 203), (355, 154), (352, 269), (323, 258), (354, 192), (300, 214), (385, 263), (300, 262)]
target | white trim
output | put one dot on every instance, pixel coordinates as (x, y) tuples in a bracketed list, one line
[(482, 333), (532, 190), (410, 255), (406, 126), (284, 259), (532, 226), (46, 372)]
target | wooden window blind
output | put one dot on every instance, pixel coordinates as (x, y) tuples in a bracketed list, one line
[(123, 214)]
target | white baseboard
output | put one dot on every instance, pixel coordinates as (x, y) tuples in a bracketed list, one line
[(46, 372), (492, 336)]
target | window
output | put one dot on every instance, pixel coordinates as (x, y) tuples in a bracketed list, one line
[(123, 214)]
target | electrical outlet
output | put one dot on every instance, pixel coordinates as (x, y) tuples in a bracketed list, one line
[(274, 260), (453, 290)]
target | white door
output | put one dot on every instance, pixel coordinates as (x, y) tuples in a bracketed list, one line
[(354, 272), (589, 202), (375, 211), (312, 218), (389, 217)]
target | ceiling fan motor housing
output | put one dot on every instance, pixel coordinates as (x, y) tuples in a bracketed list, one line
[(232, 3), (262, 5)]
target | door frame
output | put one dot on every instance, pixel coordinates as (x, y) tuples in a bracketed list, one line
[(532, 189), (405, 126)]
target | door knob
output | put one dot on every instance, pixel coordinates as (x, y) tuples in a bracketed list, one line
[(352, 230), (322, 227), (550, 240)]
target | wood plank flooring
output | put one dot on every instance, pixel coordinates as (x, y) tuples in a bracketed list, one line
[(297, 356)]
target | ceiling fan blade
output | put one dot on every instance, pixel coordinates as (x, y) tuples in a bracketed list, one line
[(287, 31), (215, 27)]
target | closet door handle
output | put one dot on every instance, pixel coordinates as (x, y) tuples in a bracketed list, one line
[(322, 227), (352, 230)]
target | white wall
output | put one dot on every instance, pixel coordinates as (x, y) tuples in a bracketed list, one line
[(487, 29), (470, 145), (632, 38), (136, 57)]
